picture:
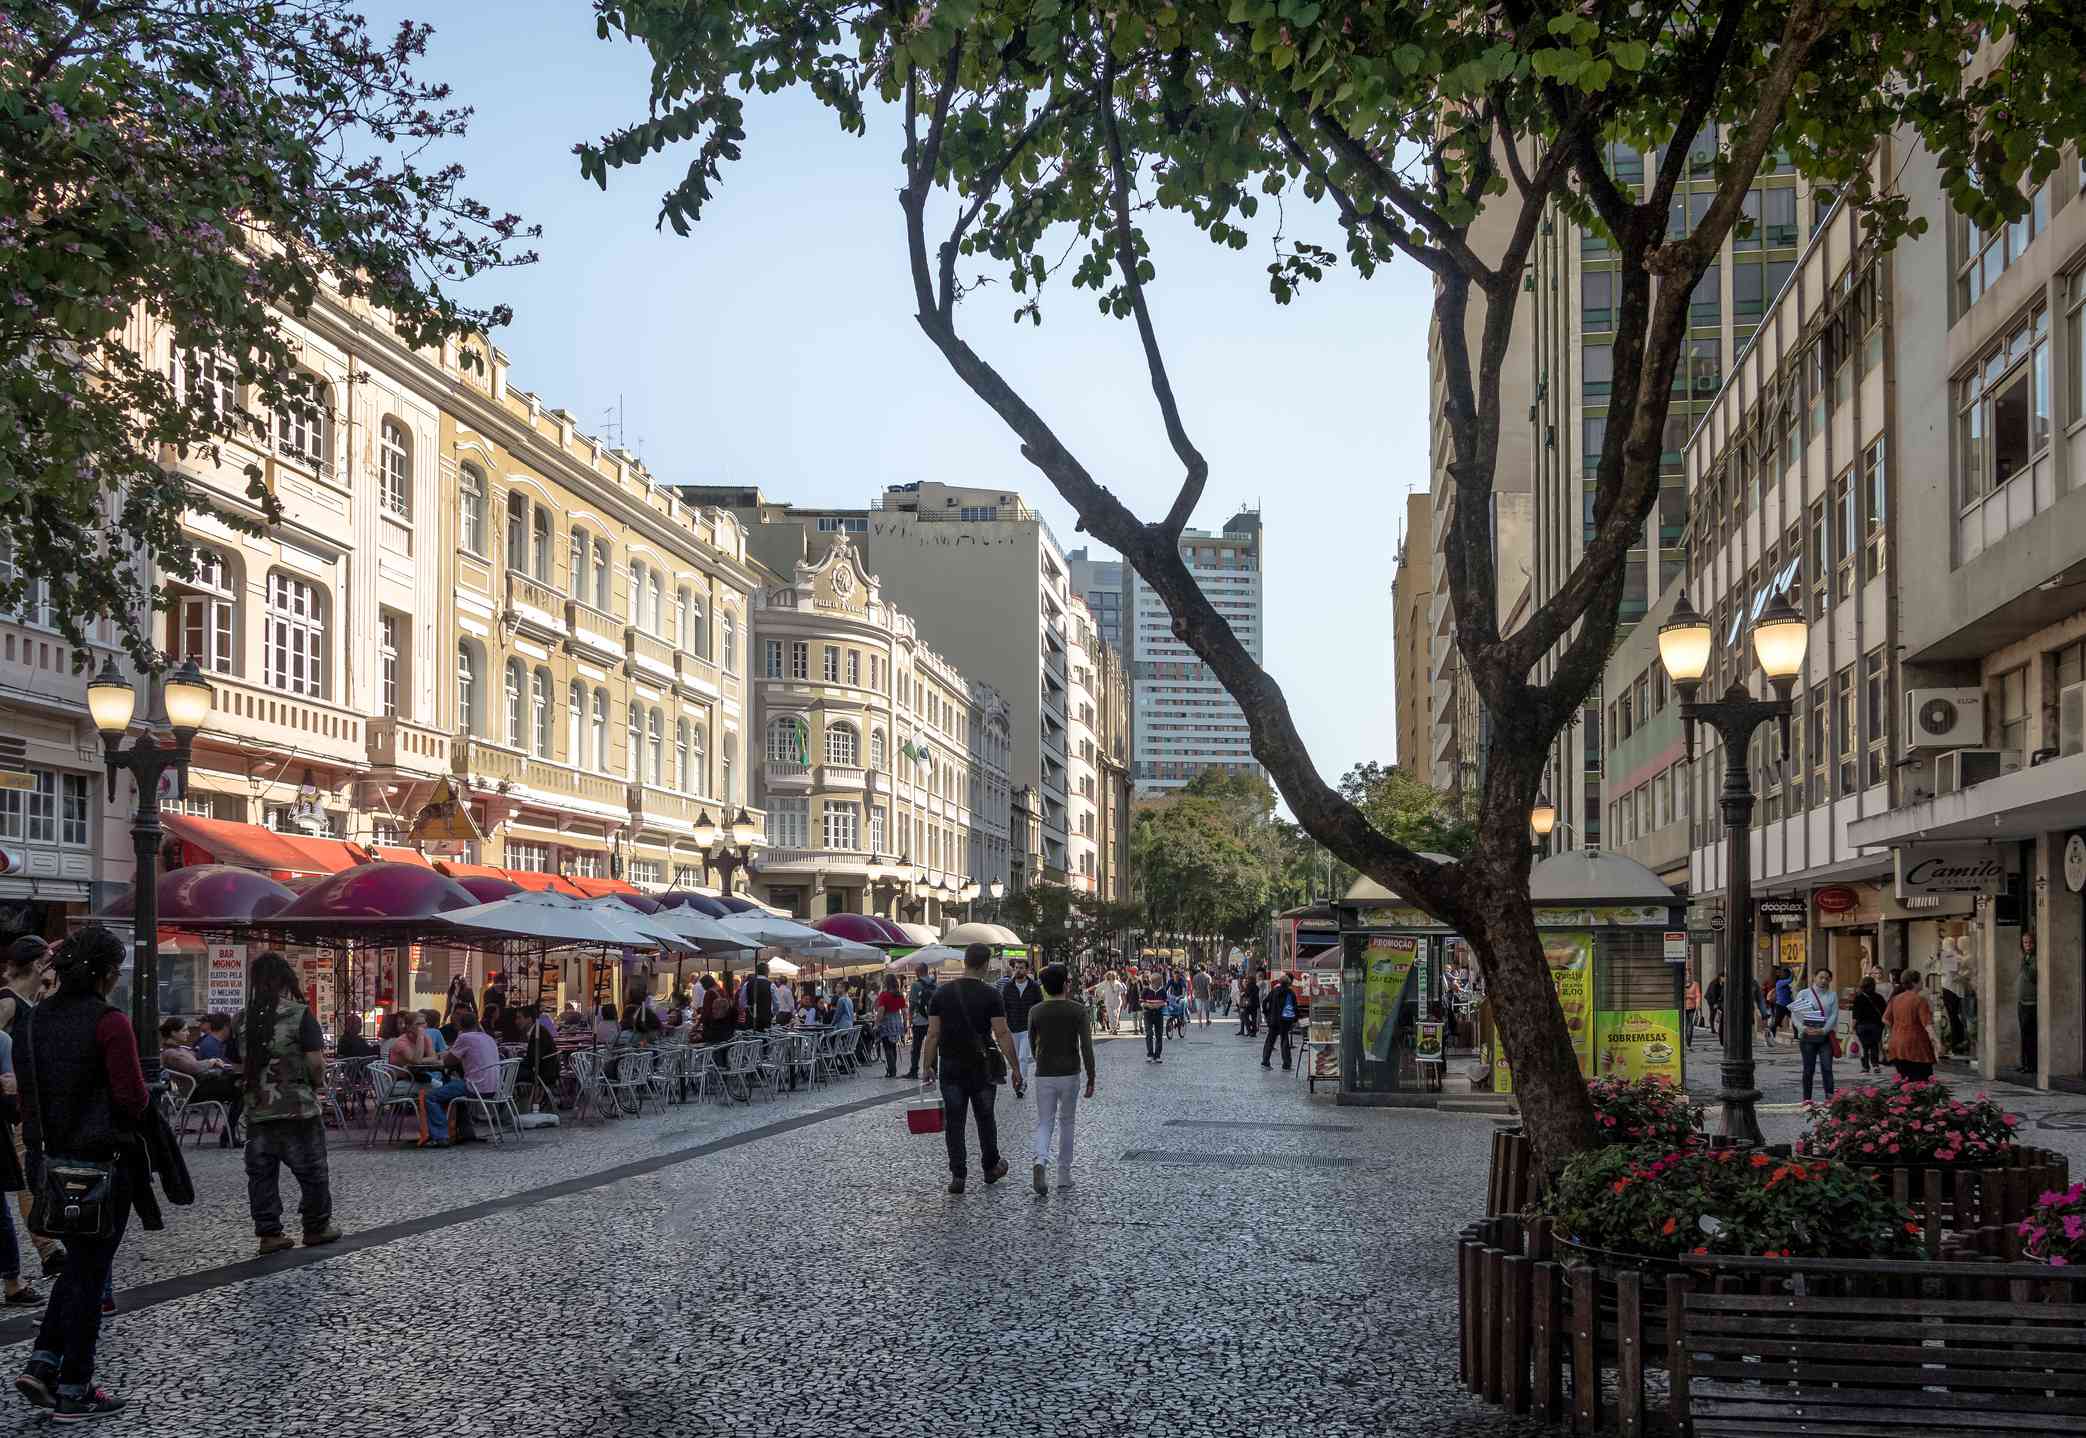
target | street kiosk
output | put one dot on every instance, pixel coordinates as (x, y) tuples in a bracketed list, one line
[(1391, 982)]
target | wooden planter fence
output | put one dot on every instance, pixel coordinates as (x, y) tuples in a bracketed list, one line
[(1544, 1332), (1943, 1201)]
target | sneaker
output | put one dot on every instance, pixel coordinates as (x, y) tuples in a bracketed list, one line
[(956, 1185), (275, 1243), (1265, 1064), (1064, 1185), (108, 1306), (95, 1403), (23, 1297), (1036, 1172), (329, 1234), (38, 1383), (997, 1172)]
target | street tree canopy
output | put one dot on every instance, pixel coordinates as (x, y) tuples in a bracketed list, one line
[(196, 170), (1036, 137)]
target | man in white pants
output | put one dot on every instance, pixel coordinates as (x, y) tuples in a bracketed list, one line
[(1061, 1035)]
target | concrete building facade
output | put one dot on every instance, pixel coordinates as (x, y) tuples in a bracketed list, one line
[(1412, 604), (1184, 721)]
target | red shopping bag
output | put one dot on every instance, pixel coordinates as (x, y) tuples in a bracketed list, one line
[(924, 1116)]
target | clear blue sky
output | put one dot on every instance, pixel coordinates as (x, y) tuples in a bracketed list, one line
[(776, 346)]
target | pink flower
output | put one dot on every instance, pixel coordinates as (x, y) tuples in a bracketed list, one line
[(2074, 1226), (2011, 1120), (2059, 1261)]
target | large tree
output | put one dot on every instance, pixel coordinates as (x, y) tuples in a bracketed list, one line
[(1028, 125), (196, 168)]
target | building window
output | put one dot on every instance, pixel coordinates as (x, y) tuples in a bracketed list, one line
[(1847, 525), (771, 658), (600, 731), (1597, 300), (843, 826), (1843, 725), (655, 734), (2003, 411), (582, 551), (1982, 257), (307, 438), (387, 664), (727, 789), (1706, 300), (576, 725), (799, 660), (1875, 712), (539, 711), (470, 694), (654, 619), (649, 872), (843, 746), (636, 740), (529, 858), (517, 722), (682, 780), (395, 469), (604, 578), (1596, 370), (471, 492), (684, 619), (583, 864), (540, 546), (854, 667), (72, 817), (698, 749), (2013, 710), (876, 829), (1874, 502), (202, 618), (517, 532), (296, 637), (2075, 326), (876, 672), (731, 643), (789, 823), (831, 671), (789, 741), (637, 593), (876, 749), (1778, 217)]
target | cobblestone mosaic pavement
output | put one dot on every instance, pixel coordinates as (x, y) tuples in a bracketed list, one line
[(819, 1281)]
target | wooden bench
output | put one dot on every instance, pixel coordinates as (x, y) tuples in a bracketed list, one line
[(1884, 1367)]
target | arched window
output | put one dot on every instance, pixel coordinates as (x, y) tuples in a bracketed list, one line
[(395, 468), (539, 711), (540, 549), (517, 532), (684, 632), (843, 745), (876, 748), (637, 593), (652, 589), (681, 770), (601, 731), (789, 740), (699, 775), (470, 688), (731, 643), (637, 744), (727, 790), (471, 489), (656, 732), (604, 576), (202, 620), (517, 731), (576, 724), (294, 642), (582, 550)]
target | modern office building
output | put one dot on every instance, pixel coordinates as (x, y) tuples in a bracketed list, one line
[(1183, 720), (1100, 583), (977, 569), (1412, 605)]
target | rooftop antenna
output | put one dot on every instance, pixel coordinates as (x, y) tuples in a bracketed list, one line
[(612, 423)]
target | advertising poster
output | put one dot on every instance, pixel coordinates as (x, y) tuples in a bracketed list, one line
[(1641, 1043), (224, 988), (1430, 1049), (1570, 956), (1387, 964)]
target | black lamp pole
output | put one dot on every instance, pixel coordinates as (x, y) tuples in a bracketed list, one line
[(110, 700), (733, 851)]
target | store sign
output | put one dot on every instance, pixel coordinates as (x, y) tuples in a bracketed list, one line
[(1785, 913), (2075, 863), (1948, 869), (1839, 899), (1676, 946), (224, 990)]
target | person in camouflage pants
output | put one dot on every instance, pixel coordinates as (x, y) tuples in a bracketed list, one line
[(279, 1042)]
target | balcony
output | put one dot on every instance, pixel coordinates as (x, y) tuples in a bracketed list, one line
[(839, 776), (275, 722), (648, 654), (847, 863), (875, 781), (536, 606), (403, 745), (654, 808), (539, 781), (595, 631), (786, 776), (697, 675)]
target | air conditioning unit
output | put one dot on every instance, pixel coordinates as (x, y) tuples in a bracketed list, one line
[(2071, 719), (1944, 718), (1960, 769)]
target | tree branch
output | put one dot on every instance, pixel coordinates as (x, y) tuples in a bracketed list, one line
[(1353, 216), (1696, 111), (988, 185), (1450, 238)]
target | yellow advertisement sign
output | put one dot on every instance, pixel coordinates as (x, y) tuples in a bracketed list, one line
[(1570, 957), (1387, 962), (1641, 1043)]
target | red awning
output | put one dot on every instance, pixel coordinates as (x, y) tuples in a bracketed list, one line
[(527, 879), (393, 855), (599, 888), (254, 847)]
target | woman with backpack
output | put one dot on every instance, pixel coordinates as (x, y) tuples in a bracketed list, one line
[(890, 1023)]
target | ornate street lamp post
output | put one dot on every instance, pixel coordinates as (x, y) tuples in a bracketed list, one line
[(732, 856), (1780, 636), (111, 701)]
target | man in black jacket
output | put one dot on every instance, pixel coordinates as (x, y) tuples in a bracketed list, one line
[(1280, 1010), (1020, 993), (757, 999), (1249, 1005)]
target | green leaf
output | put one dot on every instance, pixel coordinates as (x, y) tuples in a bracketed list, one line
[(1409, 58), (1631, 55)]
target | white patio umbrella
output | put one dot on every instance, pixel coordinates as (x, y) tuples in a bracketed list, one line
[(783, 967), (769, 932), (851, 953), (559, 919), (931, 957), (694, 931), (975, 934)]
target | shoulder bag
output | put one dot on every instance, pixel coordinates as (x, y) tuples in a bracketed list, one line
[(76, 1195), (991, 1060)]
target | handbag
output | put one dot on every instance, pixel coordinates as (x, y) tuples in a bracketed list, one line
[(1835, 1046), (75, 1196), (924, 1116)]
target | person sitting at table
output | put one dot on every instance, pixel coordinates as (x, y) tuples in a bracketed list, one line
[(473, 1066), (716, 1011), (572, 1020), (352, 1044), (214, 1082), (605, 1027), (453, 1025), (541, 1063), (412, 1046), (433, 1023), (492, 1020), (515, 1027), (392, 1025), (217, 1032)]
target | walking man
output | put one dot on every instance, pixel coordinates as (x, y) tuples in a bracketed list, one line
[(1151, 1001), (757, 999), (1020, 993), (918, 1000), (279, 1041), (1280, 1010), (1249, 1006), (1061, 1034), (1202, 995), (1714, 998), (966, 1015)]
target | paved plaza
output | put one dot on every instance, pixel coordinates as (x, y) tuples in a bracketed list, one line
[(1234, 1258)]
